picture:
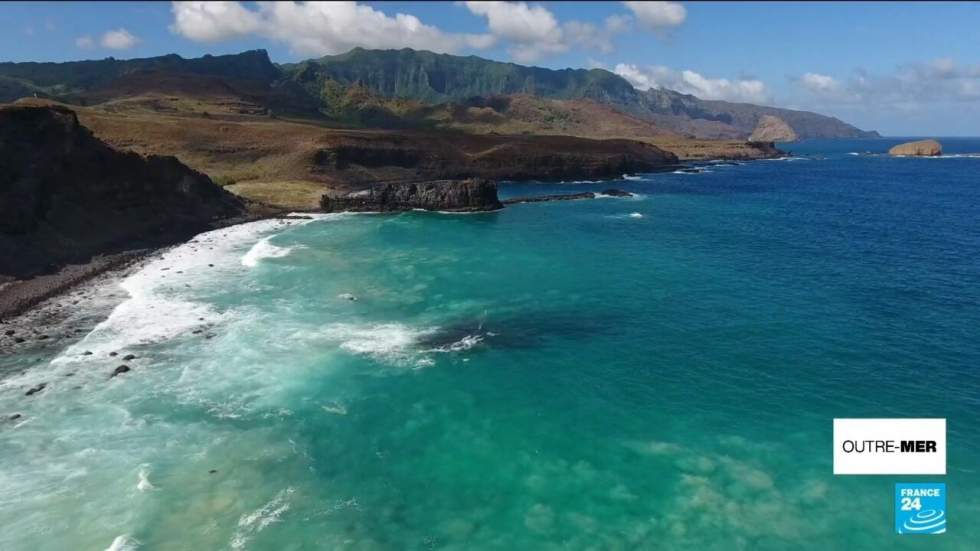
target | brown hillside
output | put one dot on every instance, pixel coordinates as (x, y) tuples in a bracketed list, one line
[(261, 154)]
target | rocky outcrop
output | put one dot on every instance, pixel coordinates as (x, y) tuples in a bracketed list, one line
[(773, 129), (471, 195), (547, 198), (566, 196), (66, 196), (921, 148)]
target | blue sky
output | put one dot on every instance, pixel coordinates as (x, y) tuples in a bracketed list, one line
[(900, 68)]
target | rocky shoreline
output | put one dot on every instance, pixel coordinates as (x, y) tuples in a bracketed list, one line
[(75, 208)]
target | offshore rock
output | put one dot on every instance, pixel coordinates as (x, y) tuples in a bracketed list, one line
[(921, 148)]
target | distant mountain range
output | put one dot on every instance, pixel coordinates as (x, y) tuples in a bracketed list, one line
[(440, 78), (408, 87)]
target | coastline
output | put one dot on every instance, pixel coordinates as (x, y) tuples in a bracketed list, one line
[(20, 298)]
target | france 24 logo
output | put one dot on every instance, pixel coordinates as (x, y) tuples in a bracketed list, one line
[(920, 508)]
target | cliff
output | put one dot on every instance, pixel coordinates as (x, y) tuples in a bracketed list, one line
[(361, 159), (921, 148), (471, 195), (66, 196), (773, 129)]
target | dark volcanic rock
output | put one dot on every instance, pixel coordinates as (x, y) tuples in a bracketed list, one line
[(120, 370), (543, 198), (66, 196), (447, 195), (566, 196)]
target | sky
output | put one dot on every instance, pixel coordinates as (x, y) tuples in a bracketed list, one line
[(904, 69)]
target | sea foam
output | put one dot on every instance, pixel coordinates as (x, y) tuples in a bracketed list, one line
[(143, 483), (262, 250), (385, 341), (251, 524), (123, 543), (161, 302)]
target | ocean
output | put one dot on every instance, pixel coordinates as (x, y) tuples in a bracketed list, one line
[(653, 372)]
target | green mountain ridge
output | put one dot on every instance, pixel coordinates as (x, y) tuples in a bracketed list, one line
[(311, 87), (427, 76)]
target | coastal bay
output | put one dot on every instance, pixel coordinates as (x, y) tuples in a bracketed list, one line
[(264, 406)]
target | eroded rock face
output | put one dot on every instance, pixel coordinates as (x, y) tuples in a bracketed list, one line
[(773, 129), (921, 148), (446, 195), (65, 195), (364, 159)]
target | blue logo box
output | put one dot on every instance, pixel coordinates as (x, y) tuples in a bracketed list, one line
[(920, 508)]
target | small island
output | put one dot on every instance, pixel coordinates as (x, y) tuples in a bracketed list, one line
[(921, 148)]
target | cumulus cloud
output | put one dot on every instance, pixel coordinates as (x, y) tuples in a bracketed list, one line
[(906, 87), (658, 15), (119, 39), (213, 21), (316, 28), (533, 32), (692, 82)]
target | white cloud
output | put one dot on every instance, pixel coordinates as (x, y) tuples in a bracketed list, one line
[(316, 28), (213, 21), (691, 82), (119, 39), (518, 21), (658, 15), (908, 87), (85, 42), (819, 83), (533, 32)]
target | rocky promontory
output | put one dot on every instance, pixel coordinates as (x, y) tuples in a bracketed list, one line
[(921, 148), (773, 129), (472, 195), (66, 196), (566, 196)]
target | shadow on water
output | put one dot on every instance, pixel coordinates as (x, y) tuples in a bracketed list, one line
[(525, 331)]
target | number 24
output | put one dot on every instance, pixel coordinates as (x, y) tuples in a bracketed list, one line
[(908, 504)]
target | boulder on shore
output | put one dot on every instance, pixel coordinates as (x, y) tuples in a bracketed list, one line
[(921, 148)]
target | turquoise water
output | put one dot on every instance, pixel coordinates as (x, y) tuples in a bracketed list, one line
[(659, 372)]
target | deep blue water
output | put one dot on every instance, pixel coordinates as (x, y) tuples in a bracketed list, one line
[(658, 372)]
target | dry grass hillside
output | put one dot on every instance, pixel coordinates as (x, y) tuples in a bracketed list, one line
[(290, 163), (231, 130)]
